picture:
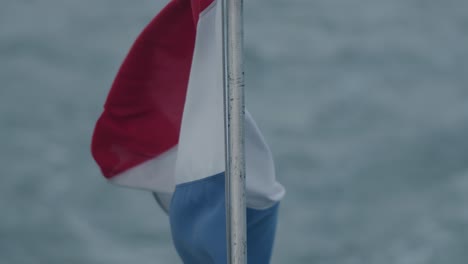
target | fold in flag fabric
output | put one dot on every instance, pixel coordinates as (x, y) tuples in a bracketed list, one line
[(162, 130)]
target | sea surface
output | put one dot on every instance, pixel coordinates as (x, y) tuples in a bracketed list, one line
[(364, 104)]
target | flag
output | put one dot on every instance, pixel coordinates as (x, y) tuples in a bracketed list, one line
[(162, 130)]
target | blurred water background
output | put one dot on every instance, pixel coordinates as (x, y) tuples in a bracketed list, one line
[(364, 104)]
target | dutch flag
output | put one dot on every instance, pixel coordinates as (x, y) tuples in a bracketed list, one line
[(162, 130)]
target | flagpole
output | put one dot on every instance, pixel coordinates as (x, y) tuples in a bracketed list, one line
[(234, 131)]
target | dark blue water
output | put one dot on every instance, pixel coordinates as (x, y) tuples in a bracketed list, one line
[(364, 103)]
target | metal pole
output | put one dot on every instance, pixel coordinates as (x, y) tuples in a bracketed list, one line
[(234, 131)]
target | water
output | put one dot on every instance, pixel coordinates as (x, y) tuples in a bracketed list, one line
[(364, 103)]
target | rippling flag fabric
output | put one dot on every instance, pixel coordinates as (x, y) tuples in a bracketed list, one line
[(162, 130)]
